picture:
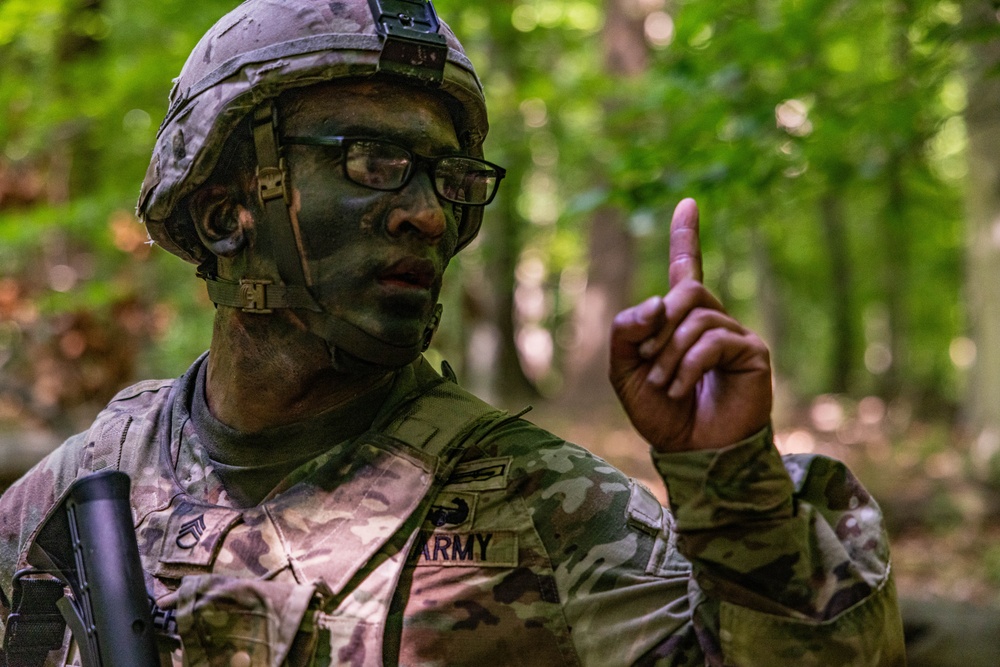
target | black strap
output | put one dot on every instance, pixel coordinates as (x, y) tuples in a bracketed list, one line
[(365, 350), (35, 625)]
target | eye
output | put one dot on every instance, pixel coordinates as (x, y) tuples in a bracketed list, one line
[(377, 165)]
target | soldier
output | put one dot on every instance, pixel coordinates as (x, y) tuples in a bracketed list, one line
[(311, 492)]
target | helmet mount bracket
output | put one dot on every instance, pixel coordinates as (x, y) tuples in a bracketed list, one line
[(412, 46)]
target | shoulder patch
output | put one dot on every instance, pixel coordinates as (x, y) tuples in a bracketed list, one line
[(454, 510)]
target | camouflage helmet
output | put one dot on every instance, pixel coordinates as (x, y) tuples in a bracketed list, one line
[(265, 47)]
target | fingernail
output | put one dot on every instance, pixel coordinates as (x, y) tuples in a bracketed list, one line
[(655, 376)]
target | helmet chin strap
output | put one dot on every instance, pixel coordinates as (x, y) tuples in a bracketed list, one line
[(352, 349)]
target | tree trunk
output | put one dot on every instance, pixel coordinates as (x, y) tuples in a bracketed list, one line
[(769, 302), (492, 364), (512, 386), (609, 283), (610, 250), (982, 399), (895, 272), (841, 284)]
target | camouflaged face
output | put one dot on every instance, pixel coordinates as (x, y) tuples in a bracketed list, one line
[(255, 52), (523, 550)]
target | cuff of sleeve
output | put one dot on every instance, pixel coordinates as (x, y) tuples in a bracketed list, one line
[(715, 488)]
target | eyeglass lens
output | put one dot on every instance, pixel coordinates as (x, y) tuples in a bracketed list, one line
[(385, 166)]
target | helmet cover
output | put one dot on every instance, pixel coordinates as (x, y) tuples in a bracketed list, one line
[(253, 54)]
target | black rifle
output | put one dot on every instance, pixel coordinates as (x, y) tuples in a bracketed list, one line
[(90, 545)]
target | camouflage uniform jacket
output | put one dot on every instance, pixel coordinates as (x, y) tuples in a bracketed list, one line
[(457, 535)]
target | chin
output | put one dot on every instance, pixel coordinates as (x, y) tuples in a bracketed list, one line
[(393, 328), (401, 335)]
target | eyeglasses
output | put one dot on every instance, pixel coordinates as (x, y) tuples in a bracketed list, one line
[(383, 165)]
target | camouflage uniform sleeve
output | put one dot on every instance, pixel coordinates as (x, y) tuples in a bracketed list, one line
[(25, 505), (621, 585), (790, 559)]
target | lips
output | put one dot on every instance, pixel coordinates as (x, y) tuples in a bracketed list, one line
[(409, 272)]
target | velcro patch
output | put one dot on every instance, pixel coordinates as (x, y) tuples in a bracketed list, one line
[(482, 475), (644, 510), (466, 549)]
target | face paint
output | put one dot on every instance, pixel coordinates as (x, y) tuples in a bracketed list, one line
[(375, 259)]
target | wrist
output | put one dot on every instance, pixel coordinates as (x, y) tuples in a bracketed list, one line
[(711, 488)]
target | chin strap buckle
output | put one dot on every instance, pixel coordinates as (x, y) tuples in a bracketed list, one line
[(257, 295), (271, 181), (253, 295), (432, 327)]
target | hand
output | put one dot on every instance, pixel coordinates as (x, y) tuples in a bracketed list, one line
[(688, 375)]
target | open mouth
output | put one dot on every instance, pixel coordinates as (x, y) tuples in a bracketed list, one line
[(409, 272)]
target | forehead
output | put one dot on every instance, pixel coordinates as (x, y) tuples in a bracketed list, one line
[(370, 108)]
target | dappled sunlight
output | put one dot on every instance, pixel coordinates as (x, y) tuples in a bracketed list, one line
[(659, 29), (962, 352), (793, 117), (845, 163), (795, 442), (535, 346)]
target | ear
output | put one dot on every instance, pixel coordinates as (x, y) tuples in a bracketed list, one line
[(221, 220)]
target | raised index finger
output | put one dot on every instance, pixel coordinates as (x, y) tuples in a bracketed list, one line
[(685, 246)]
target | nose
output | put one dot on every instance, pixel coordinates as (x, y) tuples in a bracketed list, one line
[(418, 210)]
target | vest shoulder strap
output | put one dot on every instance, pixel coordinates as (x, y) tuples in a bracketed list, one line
[(442, 421), (129, 419)]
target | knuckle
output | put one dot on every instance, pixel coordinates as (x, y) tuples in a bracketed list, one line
[(757, 343), (716, 336), (621, 320)]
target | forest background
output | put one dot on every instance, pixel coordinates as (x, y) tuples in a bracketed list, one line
[(845, 154)]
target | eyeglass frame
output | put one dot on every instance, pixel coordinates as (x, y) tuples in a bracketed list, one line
[(415, 161)]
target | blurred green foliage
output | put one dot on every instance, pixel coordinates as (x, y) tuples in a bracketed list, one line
[(823, 139), (992, 560)]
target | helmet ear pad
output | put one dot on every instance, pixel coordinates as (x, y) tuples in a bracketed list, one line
[(221, 219)]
